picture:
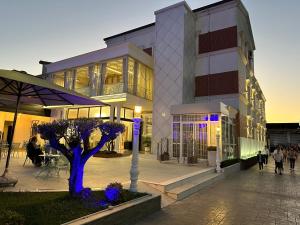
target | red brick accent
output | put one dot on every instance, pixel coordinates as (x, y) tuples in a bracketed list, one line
[(217, 84), (217, 40)]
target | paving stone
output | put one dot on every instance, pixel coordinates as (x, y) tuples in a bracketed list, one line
[(245, 198)]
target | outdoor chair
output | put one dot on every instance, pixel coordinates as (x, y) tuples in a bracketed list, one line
[(62, 164), (15, 150)]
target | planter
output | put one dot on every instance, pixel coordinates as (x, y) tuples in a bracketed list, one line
[(211, 158), (125, 214), (164, 157), (192, 159), (247, 163)]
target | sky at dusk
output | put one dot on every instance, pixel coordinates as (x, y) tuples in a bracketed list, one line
[(32, 30)]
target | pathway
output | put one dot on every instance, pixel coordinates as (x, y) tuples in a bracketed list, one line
[(245, 198)]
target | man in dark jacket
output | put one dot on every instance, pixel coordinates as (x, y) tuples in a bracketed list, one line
[(260, 160), (34, 152)]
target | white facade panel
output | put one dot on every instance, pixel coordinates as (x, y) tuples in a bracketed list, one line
[(217, 62)]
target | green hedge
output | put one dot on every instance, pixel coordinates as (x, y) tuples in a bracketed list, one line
[(229, 162)]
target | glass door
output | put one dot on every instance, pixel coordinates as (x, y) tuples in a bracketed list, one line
[(200, 142)]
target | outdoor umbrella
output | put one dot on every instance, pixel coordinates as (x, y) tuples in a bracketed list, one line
[(23, 88)]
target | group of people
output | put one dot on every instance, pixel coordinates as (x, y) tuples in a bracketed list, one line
[(280, 155)]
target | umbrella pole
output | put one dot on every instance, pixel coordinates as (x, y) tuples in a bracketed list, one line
[(5, 181)]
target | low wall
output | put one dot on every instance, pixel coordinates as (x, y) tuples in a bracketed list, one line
[(127, 213), (247, 163)]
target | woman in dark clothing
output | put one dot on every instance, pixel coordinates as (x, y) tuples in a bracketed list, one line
[(33, 151)]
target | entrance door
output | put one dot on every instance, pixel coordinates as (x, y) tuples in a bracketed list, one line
[(201, 140), (194, 140)]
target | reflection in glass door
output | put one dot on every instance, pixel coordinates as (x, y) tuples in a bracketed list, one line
[(187, 138), (194, 140), (201, 140)]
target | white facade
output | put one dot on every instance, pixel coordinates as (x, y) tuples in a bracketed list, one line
[(180, 68)]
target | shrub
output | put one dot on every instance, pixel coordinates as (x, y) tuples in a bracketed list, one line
[(229, 162), (9, 217), (113, 192)]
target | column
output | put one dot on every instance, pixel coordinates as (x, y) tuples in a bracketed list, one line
[(135, 154), (93, 80), (135, 77), (117, 145), (218, 160), (112, 113)]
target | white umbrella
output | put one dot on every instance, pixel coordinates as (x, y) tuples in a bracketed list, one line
[(23, 88)]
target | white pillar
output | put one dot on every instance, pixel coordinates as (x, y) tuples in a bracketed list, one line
[(112, 113), (218, 161), (135, 155), (117, 146)]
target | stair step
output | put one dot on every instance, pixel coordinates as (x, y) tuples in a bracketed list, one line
[(179, 181), (190, 188)]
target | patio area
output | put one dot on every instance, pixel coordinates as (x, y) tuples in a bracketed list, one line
[(98, 173)]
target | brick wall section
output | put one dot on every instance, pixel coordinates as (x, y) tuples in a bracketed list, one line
[(217, 84), (217, 40)]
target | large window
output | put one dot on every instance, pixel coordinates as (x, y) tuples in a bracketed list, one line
[(82, 80), (113, 82), (144, 82), (130, 75), (59, 79)]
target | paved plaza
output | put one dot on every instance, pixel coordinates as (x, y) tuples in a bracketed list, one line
[(98, 173), (245, 198)]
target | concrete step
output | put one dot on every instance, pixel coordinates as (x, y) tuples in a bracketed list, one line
[(179, 181), (187, 189)]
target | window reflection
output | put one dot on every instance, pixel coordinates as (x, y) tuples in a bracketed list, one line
[(59, 79), (83, 113), (105, 111), (82, 80), (113, 82), (130, 75)]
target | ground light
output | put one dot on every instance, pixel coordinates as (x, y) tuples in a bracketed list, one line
[(134, 172)]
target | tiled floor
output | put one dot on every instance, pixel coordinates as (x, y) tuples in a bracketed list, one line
[(246, 198), (98, 173)]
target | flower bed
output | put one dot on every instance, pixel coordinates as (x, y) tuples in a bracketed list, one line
[(50, 208)]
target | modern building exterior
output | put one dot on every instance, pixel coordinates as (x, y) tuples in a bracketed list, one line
[(283, 134), (192, 71)]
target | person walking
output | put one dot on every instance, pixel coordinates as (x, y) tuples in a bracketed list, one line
[(260, 160), (292, 156), (266, 155), (278, 158)]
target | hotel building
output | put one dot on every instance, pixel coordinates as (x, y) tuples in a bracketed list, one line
[(192, 71)]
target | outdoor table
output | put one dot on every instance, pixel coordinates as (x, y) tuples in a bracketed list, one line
[(48, 164)]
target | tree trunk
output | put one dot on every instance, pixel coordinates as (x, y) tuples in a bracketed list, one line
[(76, 174)]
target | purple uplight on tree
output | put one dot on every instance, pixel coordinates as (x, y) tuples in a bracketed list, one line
[(71, 138)]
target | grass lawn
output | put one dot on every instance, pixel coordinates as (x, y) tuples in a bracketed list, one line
[(50, 208)]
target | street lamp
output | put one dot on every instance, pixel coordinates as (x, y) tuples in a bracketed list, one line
[(134, 172), (218, 150)]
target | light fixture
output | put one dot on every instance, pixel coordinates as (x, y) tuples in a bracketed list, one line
[(138, 109)]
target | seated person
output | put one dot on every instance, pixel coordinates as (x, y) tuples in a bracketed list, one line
[(33, 151)]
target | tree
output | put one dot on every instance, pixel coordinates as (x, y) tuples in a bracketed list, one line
[(72, 139)]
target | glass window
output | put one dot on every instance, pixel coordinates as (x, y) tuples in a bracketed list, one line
[(128, 113), (72, 113), (94, 112), (121, 112), (95, 79), (105, 111), (59, 79), (141, 80), (83, 113), (82, 80), (130, 75), (69, 79), (149, 81), (113, 82)]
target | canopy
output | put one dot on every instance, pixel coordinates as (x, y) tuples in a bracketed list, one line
[(34, 90), (23, 88)]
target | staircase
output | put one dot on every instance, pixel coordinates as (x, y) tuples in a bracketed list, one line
[(184, 186)]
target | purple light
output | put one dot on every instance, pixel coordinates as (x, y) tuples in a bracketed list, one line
[(214, 117)]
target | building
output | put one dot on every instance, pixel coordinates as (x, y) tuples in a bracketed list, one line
[(283, 134), (192, 71)]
